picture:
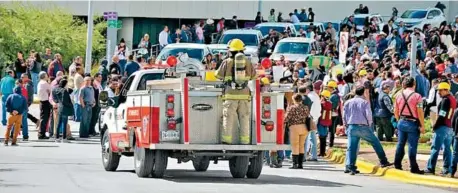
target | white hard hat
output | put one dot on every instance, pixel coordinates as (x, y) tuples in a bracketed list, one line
[(210, 21)]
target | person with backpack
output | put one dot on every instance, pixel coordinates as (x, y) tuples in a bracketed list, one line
[(103, 71), (408, 110)]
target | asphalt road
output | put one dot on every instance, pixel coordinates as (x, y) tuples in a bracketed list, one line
[(46, 167)]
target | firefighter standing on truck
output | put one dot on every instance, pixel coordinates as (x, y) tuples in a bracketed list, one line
[(236, 71)]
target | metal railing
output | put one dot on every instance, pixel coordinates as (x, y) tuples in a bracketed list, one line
[(154, 50)]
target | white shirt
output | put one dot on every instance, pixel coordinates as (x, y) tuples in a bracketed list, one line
[(111, 94), (431, 99), (163, 38), (315, 111), (121, 56), (294, 19), (44, 90)]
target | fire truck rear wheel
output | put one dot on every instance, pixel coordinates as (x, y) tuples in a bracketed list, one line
[(201, 163), (143, 161), (160, 163), (110, 159), (255, 167), (239, 166)]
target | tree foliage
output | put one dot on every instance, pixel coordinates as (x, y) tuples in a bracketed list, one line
[(25, 27)]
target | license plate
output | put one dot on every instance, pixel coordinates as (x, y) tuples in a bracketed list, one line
[(170, 135)]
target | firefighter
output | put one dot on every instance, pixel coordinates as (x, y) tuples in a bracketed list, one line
[(236, 71)]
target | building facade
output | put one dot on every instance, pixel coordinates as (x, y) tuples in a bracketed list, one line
[(140, 17)]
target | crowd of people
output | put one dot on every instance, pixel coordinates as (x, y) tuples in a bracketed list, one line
[(62, 93)]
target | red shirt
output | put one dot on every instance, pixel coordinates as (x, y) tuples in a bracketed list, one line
[(24, 93), (326, 114), (440, 68)]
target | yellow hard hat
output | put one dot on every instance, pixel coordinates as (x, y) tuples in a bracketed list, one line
[(332, 84), (235, 45), (443, 86), (265, 81), (362, 73), (326, 93)]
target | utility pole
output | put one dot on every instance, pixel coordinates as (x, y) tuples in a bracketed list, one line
[(90, 26), (413, 56)]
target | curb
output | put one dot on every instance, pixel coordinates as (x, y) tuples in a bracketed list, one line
[(394, 174)]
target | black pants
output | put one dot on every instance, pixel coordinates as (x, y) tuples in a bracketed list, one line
[(45, 112), (332, 130), (94, 119), (32, 118), (384, 126)]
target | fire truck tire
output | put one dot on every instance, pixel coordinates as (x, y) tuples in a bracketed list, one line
[(201, 163), (160, 164), (143, 161), (255, 167), (110, 159), (239, 166)]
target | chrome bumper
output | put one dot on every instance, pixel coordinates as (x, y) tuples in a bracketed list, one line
[(206, 147)]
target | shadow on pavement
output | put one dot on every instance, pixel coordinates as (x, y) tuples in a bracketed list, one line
[(223, 176)]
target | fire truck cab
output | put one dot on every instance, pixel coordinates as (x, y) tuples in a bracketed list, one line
[(155, 118)]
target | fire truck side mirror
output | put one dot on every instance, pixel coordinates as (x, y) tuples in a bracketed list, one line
[(103, 97)]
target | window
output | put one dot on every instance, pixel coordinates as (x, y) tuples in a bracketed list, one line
[(359, 20), (247, 39), (292, 48), (127, 85), (146, 77), (195, 53), (434, 13), (414, 14), (265, 29)]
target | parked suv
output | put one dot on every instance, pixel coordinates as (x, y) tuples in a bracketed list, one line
[(417, 18)]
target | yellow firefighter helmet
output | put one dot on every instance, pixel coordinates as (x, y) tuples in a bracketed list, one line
[(443, 86), (235, 45), (326, 94)]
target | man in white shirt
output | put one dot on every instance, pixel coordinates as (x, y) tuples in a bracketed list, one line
[(315, 112), (78, 82), (433, 95), (44, 91), (164, 37), (294, 18)]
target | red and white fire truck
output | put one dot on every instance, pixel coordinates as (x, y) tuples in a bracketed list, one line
[(156, 117)]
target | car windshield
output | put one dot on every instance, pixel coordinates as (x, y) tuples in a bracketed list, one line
[(247, 39), (336, 26), (303, 26), (414, 14), (292, 48), (265, 29), (195, 53), (218, 50), (359, 20)]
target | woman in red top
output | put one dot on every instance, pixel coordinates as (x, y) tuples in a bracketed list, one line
[(440, 65), (325, 120)]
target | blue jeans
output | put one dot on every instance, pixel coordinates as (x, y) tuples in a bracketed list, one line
[(34, 81), (4, 97), (286, 153), (442, 138), (86, 115), (311, 143), (199, 41), (122, 66), (77, 116), (355, 133), (322, 130), (455, 156), (408, 132), (25, 125), (62, 126)]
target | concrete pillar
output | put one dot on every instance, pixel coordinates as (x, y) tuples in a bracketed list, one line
[(127, 32)]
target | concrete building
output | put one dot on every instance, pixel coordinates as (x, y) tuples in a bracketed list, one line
[(141, 17)]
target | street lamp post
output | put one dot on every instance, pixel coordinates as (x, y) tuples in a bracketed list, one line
[(90, 25)]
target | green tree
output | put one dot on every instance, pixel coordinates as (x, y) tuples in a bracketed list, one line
[(25, 27)]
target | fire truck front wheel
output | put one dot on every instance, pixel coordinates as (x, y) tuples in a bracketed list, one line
[(110, 160), (239, 166), (201, 163), (255, 167), (143, 161)]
